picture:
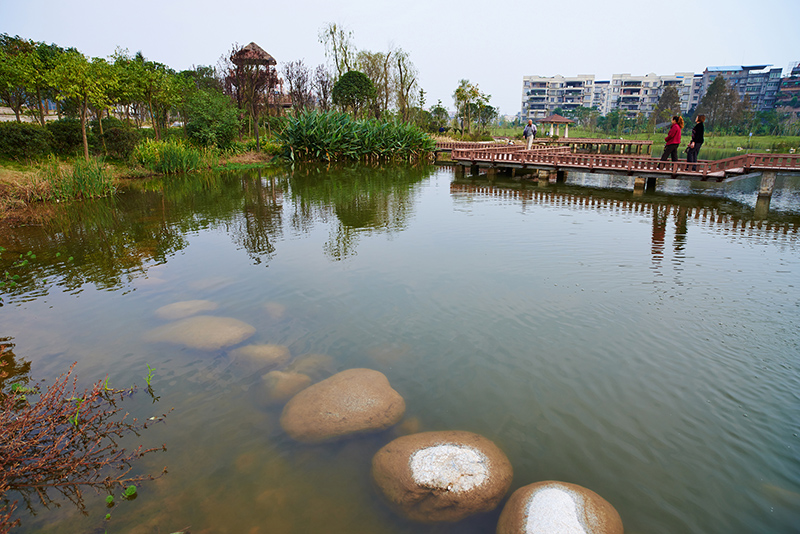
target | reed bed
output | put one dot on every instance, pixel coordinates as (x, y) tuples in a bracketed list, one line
[(336, 136), (81, 180), (171, 156)]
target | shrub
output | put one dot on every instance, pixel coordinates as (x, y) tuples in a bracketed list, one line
[(212, 119), (20, 140), (121, 141), (67, 137)]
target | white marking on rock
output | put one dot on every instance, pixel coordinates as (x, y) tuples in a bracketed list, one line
[(553, 511), (449, 467)]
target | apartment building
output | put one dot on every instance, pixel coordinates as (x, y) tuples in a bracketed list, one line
[(787, 99), (640, 94), (759, 83), (541, 95)]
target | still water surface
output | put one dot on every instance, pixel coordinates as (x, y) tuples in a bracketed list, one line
[(644, 347)]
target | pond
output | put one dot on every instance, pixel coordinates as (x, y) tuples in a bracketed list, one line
[(644, 347)]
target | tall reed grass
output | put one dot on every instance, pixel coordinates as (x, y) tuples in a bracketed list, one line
[(335, 136), (83, 179), (171, 156)]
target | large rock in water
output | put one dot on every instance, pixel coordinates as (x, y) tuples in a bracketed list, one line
[(203, 332), (558, 508), (351, 402), (442, 476)]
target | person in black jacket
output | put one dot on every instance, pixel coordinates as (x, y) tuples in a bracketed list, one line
[(697, 139)]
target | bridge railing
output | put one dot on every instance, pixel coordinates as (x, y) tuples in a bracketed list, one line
[(562, 157), (774, 161)]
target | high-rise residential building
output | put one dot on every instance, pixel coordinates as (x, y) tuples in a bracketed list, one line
[(758, 82), (600, 98), (787, 99), (640, 94), (541, 95)]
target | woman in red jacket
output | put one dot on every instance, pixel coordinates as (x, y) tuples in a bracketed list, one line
[(673, 139)]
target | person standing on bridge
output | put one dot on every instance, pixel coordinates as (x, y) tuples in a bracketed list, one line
[(529, 133), (697, 139), (673, 139)]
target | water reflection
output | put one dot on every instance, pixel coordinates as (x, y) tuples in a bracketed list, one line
[(14, 372), (110, 242), (358, 199)]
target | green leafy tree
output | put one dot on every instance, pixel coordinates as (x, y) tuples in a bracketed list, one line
[(722, 106), (439, 116), (87, 82), (352, 91), (16, 69), (669, 105), (464, 96)]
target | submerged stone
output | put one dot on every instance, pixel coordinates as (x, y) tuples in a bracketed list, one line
[(203, 332), (280, 386), (263, 355), (186, 308), (351, 402), (442, 476), (317, 366), (552, 507)]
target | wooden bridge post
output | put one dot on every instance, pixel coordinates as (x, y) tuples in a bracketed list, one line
[(651, 185), (473, 170), (561, 177)]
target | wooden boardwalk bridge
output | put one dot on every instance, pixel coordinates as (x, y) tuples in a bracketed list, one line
[(553, 162)]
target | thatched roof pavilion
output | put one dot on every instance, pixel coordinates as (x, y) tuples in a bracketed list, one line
[(558, 120), (252, 54)]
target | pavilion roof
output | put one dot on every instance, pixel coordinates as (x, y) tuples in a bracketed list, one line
[(556, 119), (252, 54)]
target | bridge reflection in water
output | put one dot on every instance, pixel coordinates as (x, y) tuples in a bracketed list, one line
[(720, 216)]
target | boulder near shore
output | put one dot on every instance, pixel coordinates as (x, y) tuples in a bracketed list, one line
[(552, 507), (351, 402), (442, 476)]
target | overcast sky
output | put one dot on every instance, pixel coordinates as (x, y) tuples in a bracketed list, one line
[(493, 44)]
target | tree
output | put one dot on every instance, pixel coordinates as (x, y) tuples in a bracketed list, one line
[(669, 105), (465, 96), (377, 67), (406, 81), (88, 82), (16, 69), (323, 87), (298, 78), (721, 105), (439, 115), (339, 48), (352, 91)]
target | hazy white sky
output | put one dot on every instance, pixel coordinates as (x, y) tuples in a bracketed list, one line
[(493, 44)]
